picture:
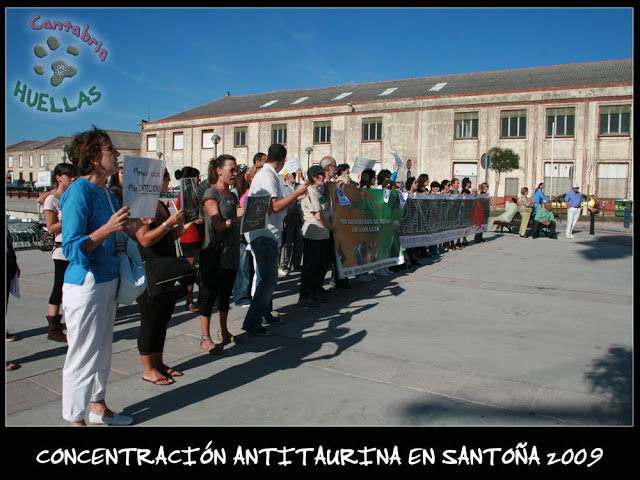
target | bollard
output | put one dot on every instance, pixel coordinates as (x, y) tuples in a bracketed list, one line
[(627, 216), (592, 222)]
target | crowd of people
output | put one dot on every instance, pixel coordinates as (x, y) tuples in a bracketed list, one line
[(85, 211)]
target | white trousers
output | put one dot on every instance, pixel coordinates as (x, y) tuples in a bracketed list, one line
[(572, 217), (90, 310)]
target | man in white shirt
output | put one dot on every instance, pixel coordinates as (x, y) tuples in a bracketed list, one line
[(265, 243)]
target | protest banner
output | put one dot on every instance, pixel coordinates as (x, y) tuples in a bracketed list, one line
[(142, 182), (433, 219), (189, 199), (368, 229), (361, 164), (255, 213)]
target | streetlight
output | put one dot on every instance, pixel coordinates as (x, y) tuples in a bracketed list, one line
[(215, 139), (308, 150)]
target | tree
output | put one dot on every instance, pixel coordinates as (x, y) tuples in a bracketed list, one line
[(503, 160)]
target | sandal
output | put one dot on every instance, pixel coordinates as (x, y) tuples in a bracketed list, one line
[(192, 307), (209, 346), (172, 372), (161, 381), (226, 337)]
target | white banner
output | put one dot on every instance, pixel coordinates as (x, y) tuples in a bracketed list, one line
[(141, 182)]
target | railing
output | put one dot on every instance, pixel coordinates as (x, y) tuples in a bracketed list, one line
[(21, 193)]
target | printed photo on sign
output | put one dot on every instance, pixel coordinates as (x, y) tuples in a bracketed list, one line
[(189, 199), (255, 213), (141, 182)]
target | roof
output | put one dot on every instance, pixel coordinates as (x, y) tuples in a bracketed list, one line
[(122, 140), (534, 78)]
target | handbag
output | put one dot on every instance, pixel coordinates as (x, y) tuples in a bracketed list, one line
[(132, 279), (168, 277), (207, 265)]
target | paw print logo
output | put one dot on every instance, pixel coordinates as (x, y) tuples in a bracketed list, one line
[(60, 68)]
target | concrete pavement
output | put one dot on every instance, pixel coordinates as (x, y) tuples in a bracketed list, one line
[(511, 332)]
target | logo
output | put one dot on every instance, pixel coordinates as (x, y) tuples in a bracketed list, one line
[(57, 64)]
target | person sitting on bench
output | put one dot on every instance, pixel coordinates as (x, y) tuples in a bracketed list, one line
[(507, 215), (544, 218)]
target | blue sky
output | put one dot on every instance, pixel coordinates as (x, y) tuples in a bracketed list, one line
[(160, 62)]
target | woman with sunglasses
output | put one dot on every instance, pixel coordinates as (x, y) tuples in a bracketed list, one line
[(157, 239), (222, 226), (91, 279)]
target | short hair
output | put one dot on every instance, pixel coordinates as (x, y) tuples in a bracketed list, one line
[(326, 161), (523, 190), (342, 168), (383, 175), (435, 184), (63, 169), (258, 156), (85, 148), (276, 153), (444, 183), (454, 180), (514, 199)]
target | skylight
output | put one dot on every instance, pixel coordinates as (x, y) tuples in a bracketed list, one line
[(300, 100), (268, 103), (437, 86), (388, 91), (342, 95)]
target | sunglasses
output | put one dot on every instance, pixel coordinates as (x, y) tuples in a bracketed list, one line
[(231, 170)]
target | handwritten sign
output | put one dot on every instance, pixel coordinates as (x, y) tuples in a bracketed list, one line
[(255, 213), (291, 166), (361, 164), (142, 182)]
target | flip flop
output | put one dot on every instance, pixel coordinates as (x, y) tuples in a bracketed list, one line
[(173, 372), (192, 308), (159, 381)]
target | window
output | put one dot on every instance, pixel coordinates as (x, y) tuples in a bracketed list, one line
[(41, 160), (615, 120), (279, 133), (564, 120), (371, 129), (513, 124), (151, 143), (10, 161), (207, 141), (31, 160), (240, 137), (20, 161), (462, 170), (557, 181), (178, 141), (511, 187), (612, 180), (466, 125), (322, 132)]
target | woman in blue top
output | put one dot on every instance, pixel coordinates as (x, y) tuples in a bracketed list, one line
[(91, 279), (538, 199)]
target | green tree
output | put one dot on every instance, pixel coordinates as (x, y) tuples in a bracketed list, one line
[(503, 160)]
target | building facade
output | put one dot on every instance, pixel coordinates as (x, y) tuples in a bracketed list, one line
[(25, 160)]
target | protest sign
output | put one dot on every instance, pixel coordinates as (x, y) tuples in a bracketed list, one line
[(44, 179), (142, 182), (368, 227), (291, 166), (432, 219), (255, 213), (397, 158), (361, 164), (189, 199)]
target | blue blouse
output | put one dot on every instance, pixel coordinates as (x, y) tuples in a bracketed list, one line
[(85, 208)]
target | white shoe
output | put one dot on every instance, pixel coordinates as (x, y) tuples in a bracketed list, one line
[(117, 419), (282, 272), (572, 236), (568, 236)]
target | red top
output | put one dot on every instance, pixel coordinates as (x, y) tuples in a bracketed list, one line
[(191, 235)]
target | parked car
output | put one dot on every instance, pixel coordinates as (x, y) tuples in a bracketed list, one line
[(558, 204)]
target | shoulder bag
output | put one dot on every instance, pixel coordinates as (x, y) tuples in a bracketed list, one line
[(169, 276), (207, 265), (132, 275)]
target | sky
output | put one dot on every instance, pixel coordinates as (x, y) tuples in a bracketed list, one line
[(150, 64)]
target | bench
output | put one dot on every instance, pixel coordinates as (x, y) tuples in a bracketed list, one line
[(517, 220)]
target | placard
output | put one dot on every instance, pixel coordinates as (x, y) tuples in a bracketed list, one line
[(361, 164), (291, 166), (189, 199), (142, 182), (255, 213), (44, 179)]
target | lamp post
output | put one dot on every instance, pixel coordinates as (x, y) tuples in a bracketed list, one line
[(215, 139), (308, 150), (65, 147)]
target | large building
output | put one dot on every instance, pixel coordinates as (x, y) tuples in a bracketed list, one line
[(568, 123), (26, 159)]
